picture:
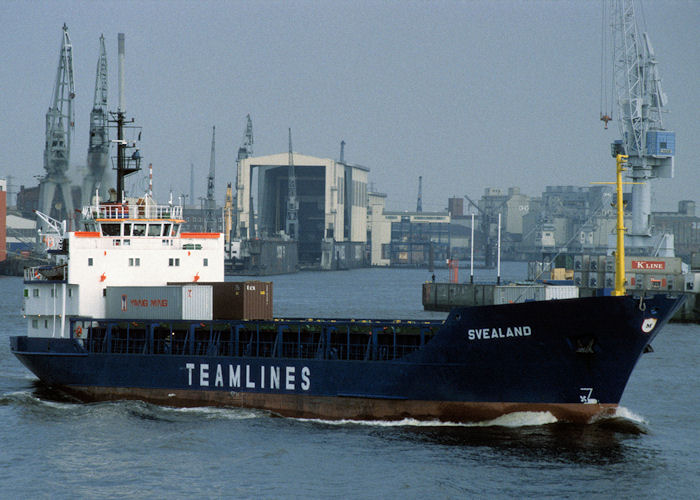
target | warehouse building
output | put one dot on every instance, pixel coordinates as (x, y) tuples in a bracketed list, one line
[(332, 212)]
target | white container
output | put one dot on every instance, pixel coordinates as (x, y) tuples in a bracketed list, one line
[(556, 292)]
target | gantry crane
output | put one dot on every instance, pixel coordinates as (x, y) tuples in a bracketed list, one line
[(292, 223), (640, 103), (210, 202), (98, 176), (245, 151), (59, 125)]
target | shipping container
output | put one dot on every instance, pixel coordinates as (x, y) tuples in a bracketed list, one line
[(509, 294), (558, 273), (240, 299), (653, 265), (603, 264), (561, 292), (252, 300), (609, 263), (186, 302), (609, 280)]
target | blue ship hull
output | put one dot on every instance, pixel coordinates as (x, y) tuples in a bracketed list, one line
[(570, 357)]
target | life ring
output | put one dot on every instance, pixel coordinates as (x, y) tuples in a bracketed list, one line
[(79, 331)]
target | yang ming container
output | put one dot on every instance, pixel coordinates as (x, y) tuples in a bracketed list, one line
[(180, 302)]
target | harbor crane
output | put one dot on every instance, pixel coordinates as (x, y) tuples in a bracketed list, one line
[(98, 177), (60, 122), (210, 202), (245, 151), (640, 103), (292, 223)]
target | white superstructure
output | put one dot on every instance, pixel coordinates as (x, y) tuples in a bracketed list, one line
[(134, 243)]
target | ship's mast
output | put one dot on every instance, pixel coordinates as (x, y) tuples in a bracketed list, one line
[(210, 211), (419, 203), (620, 251), (292, 225), (125, 166), (228, 209)]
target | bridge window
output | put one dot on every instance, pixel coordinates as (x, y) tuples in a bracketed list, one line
[(139, 230), (127, 229), (110, 229), (166, 229), (154, 229)]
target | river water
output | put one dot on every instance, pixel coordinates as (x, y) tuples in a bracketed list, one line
[(53, 448)]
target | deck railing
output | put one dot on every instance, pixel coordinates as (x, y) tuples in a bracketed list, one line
[(46, 273), (291, 339), (132, 211)]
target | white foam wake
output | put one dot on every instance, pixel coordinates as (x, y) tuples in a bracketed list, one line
[(516, 419), (622, 412)]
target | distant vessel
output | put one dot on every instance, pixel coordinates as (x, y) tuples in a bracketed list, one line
[(261, 257)]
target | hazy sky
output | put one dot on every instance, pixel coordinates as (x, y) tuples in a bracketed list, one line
[(467, 94)]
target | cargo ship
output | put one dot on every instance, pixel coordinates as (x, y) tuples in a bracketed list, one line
[(128, 311), (134, 307)]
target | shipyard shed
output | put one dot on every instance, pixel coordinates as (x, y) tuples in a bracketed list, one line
[(332, 198)]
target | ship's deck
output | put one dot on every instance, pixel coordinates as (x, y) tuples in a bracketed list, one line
[(346, 339)]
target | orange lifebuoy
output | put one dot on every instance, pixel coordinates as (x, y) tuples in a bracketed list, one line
[(79, 331)]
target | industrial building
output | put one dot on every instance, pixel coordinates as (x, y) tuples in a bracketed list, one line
[(684, 225), (406, 239), (332, 206)]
